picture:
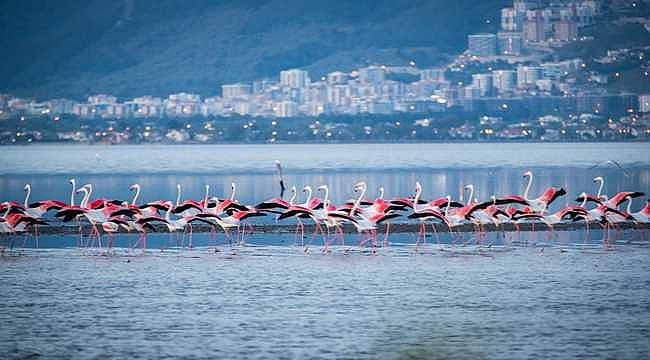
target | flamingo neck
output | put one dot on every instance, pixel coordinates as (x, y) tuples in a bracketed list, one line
[(416, 199), (530, 183), (74, 185), (600, 188), (308, 196), (84, 200), (90, 192), (29, 192), (629, 205), (207, 195), (471, 195), (584, 201), (178, 194), (358, 202), (232, 195), (293, 195), (381, 193), (137, 194)]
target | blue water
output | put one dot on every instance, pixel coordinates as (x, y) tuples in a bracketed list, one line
[(533, 296)]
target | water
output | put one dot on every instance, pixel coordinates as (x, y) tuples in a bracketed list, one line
[(550, 298)]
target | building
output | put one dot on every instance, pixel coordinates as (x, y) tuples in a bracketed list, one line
[(534, 26), (286, 109), (372, 75), (644, 103), (565, 30), (504, 80), (294, 78), (509, 43), (436, 74), (337, 78), (527, 76), (234, 91), (511, 19), (482, 44), (483, 82)]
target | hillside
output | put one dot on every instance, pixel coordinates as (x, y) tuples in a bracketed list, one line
[(130, 48)]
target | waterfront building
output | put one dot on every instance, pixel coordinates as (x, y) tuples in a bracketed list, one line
[(482, 44)]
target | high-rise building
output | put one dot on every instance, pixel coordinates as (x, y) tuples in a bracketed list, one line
[(233, 91), (528, 75), (482, 44), (512, 20), (372, 75), (504, 80), (337, 78), (510, 43), (644, 103), (436, 74), (286, 109), (294, 78), (566, 30), (537, 25), (483, 82)]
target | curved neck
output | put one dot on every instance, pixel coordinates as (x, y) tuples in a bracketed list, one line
[(600, 188), (471, 195), (29, 192), (326, 199), (530, 183), (308, 189), (232, 195), (178, 194), (416, 199), (358, 202), (74, 185), (137, 194), (84, 200), (629, 205), (207, 195), (381, 193), (293, 195), (584, 200), (90, 192)]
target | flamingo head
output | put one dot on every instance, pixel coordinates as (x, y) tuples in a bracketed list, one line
[(307, 188), (134, 187), (528, 173), (599, 178), (293, 189), (359, 186), (27, 187), (322, 188), (469, 187), (72, 181)]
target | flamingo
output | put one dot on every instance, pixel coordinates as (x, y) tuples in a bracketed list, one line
[(541, 203), (367, 221), (38, 209), (188, 207), (427, 212), (643, 215)]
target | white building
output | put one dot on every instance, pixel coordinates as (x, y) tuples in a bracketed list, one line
[(528, 75), (504, 80), (644, 103), (294, 78), (372, 75), (233, 91), (483, 82), (286, 109)]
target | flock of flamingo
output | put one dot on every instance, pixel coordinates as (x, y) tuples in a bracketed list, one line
[(112, 216)]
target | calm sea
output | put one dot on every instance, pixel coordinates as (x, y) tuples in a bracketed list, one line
[(558, 297)]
